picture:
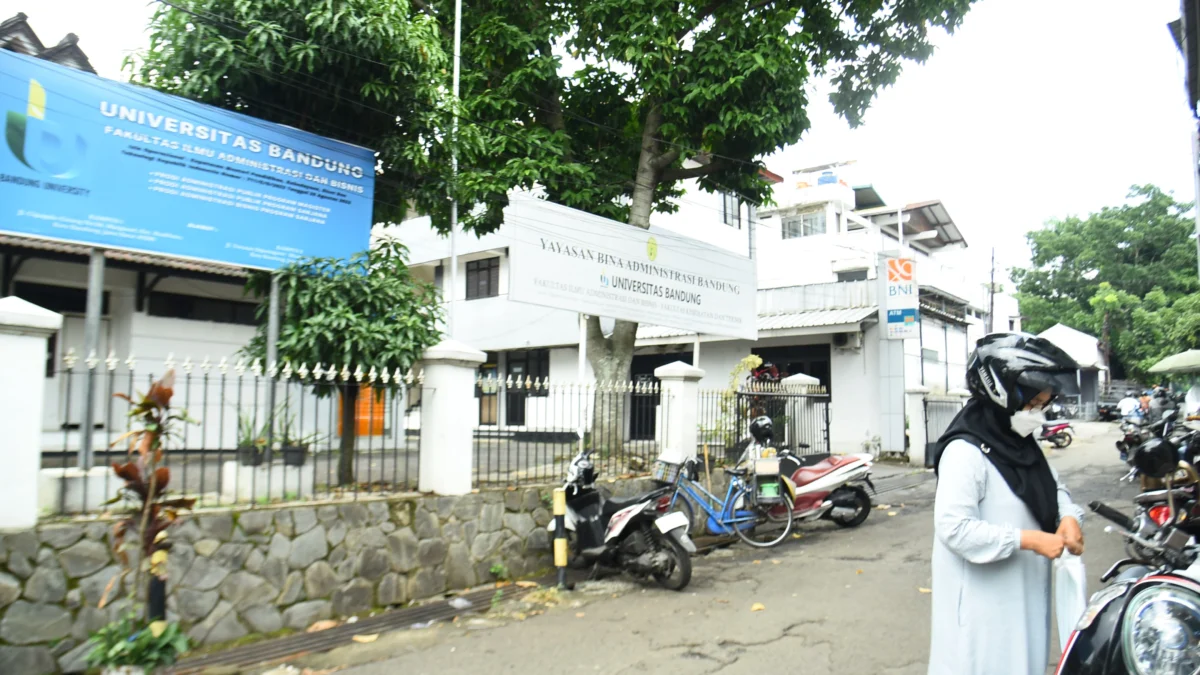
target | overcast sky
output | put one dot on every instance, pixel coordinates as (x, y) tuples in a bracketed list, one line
[(1034, 109)]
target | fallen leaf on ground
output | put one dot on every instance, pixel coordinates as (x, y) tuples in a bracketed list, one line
[(797, 536), (512, 489), (322, 625), (924, 590), (365, 639), (757, 562), (776, 562), (519, 616), (882, 507), (757, 607), (858, 572), (724, 602), (527, 584), (503, 584), (891, 513), (579, 615)]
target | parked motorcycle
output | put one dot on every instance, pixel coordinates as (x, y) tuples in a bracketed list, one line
[(823, 485), (636, 534), (1147, 620), (1060, 433)]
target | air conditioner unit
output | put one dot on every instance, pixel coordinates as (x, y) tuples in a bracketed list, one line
[(847, 341)]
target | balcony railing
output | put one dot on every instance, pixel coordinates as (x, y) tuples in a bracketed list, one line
[(836, 295)]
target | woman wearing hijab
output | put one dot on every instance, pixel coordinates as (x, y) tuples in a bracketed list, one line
[(1001, 514)]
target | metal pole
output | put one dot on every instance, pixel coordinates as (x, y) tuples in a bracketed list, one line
[(753, 226), (91, 347), (582, 374), (696, 352), (992, 296), (454, 169), (900, 228), (272, 360)]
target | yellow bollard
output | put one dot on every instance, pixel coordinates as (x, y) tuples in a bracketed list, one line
[(560, 535)]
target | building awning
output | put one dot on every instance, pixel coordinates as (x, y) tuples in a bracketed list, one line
[(920, 217), (17, 244), (777, 324)]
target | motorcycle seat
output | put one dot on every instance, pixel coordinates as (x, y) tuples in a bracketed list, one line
[(807, 474), (615, 504)]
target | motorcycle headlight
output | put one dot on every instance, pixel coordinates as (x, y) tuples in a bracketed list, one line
[(1161, 632)]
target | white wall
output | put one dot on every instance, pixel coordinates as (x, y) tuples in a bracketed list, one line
[(854, 411)]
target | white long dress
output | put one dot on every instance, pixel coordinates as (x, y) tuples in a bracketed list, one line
[(991, 600)]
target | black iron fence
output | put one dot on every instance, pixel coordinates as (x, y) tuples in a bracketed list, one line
[(528, 431), (939, 413), (799, 416), (240, 446)]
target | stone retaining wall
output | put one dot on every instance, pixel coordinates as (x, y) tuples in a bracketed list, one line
[(233, 573)]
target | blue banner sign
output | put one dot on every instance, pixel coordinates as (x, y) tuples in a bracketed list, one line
[(113, 165)]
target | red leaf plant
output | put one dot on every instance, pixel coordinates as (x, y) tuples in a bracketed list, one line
[(146, 481)]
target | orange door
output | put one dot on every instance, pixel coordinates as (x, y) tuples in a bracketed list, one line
[(368, 416)]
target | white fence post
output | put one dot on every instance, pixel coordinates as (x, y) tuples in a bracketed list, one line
[(681, 391), (24, 330), (447, 425), (917, 427)]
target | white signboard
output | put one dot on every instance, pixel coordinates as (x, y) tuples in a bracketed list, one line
[(900, 300), (568, 259)]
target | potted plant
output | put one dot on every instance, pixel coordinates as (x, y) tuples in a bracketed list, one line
[(142, 642), (293, 444), (127, 647), (252, 441)]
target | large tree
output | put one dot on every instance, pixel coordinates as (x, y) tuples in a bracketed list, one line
[(654, 93), (1126, 273)]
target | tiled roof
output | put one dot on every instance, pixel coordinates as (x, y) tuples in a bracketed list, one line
[(147, 259)]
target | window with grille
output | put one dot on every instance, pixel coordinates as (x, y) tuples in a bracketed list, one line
[(852, 275), (483, 278), (804, 225)]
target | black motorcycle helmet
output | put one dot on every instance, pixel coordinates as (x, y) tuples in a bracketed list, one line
[(761, 429), (1010, 369), (1156, 457)]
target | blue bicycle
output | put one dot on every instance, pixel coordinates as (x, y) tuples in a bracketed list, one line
[(760, 517)]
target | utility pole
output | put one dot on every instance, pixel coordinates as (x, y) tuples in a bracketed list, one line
[(992, 296), (454, 169)]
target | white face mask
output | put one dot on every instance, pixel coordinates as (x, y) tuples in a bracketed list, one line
[(1025, 422)]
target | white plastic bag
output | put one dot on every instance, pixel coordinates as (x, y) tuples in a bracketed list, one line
[(1070, 593)]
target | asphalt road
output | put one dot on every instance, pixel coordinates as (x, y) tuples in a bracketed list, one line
[(832, 601)]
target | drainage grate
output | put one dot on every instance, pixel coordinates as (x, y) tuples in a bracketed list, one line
[(285, 648)]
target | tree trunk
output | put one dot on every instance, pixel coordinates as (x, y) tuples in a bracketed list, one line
[(349, 432), (611, 357)]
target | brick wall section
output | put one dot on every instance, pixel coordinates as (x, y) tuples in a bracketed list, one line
[(233, 573)]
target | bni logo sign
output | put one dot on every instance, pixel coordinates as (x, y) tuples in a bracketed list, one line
[(899, 270), (42, 144)]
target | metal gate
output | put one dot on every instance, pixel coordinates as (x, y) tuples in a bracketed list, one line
[(798, 417), (939, 413)]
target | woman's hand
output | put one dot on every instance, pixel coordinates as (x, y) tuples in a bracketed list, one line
[(1042, 543), (1071, 534)]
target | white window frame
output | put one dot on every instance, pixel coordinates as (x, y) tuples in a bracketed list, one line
[(804, 225)]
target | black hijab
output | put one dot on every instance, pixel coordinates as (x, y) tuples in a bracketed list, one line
[(1019, 460)]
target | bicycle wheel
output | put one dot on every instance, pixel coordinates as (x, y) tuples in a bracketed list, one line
[(768, 529), (683, 504)]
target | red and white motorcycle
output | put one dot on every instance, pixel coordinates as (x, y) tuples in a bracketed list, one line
[(634, 534), (821, 485)]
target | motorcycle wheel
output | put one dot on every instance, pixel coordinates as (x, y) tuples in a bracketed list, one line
[(766, 524), (862, 502), (1061, 440), (681, 565)]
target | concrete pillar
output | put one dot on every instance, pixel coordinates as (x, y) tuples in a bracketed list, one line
[(914, 405), (680, 399), (24, 331), (447, 436)]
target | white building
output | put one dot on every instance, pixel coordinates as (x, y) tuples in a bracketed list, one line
[(817, 250)]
